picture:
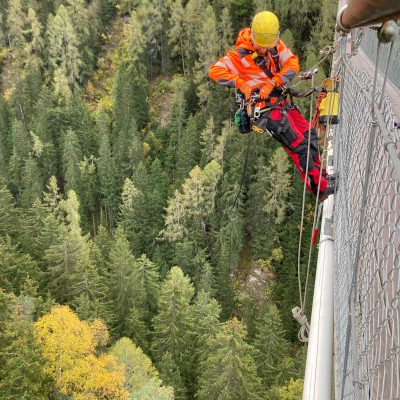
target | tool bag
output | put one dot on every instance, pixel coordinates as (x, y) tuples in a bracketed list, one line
[(242, 121)]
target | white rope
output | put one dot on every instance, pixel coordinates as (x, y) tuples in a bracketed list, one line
[(298, 312), (304, 331)]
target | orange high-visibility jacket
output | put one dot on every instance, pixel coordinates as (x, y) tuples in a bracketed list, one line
[(239, 64)]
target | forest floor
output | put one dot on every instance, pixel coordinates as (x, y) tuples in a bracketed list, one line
[(252, 275)]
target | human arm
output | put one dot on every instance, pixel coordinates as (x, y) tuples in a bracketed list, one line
[(289, 65), (225, 73)]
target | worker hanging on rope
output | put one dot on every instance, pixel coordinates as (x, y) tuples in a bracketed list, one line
[(261, 62)]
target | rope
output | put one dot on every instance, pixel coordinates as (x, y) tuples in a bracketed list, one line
[(298, 315), (327, 51), (303, 204), (302, 304), (316, 210), (304, 330)]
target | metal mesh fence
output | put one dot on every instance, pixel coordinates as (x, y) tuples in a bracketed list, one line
[(369, 47), (367, 241)]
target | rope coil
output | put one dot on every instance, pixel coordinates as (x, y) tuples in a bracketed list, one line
[(301, 318)]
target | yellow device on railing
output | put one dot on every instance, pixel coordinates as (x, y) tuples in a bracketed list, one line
[(329, 107)]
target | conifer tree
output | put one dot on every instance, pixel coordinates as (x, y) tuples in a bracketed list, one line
[(130, 214), (68, 252), (130, 100), (46, 126), (9, 220), (34, 31), (128, 149), (187, 153), (5, 138), (194, 18), (105, 9), (151, 13), (20, 153), (208, 48), (90, 291), (145, 281), (31, 183), (136, 328), (52, 197), (289, 40), (31, 227), (208, 142), (81, 121), (50, 233), (121, 266), (279, 183), (227, 249), (271, 346), (27, 85), (15, 268), (83, 23), (101, 249), (70, 160), (225, 31), (146, 275), (177, 125), (195, 204), (156, 200), (264, 232), (207, 280), (173, 326), (206, 311), (15, 24), (63, 53), (88, 189), (177, 34), (229, 371), (107, 170), (171, 375), (134, 44), (21, 358)]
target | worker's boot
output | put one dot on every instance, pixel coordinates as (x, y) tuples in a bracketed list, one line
[(331, 187), (330, 177)]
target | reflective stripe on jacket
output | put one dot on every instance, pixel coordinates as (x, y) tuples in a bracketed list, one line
[(239, 63)]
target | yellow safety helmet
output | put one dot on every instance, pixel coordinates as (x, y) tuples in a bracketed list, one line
[(265, 29)]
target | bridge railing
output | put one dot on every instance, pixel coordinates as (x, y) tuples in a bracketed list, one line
[(367, 232)]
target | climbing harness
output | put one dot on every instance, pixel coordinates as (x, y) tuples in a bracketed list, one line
[(249, 113)]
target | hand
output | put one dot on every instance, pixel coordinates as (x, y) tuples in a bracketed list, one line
[(266, 90), (244, 88)]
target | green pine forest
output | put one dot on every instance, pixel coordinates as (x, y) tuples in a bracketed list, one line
[(133, 264)]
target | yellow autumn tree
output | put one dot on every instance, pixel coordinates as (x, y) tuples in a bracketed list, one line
[(69, 347)]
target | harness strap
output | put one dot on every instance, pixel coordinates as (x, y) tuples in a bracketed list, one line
[(261, 61)]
